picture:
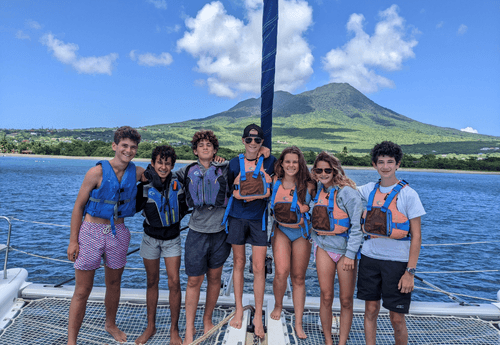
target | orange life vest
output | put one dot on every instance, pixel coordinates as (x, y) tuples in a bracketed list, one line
[(327, 217), (252, 182), (286, 208), (382, 218)]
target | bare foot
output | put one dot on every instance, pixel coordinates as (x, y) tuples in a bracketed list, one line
[(189, 336), (116, 333), (276, 313), (207, 326), (258, 326), (175, 339), (300, 331), (148, 333), (237, 320)]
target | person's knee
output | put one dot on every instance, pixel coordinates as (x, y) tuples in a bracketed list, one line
[(258, 267), (174, 283), (82, 293), (239, 262), (371, 311), (299, 279), (398, 321), (346, 302), (326, 297), (152, 280), (195, 282)]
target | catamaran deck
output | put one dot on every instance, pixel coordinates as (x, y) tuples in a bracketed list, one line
[(44, 321)]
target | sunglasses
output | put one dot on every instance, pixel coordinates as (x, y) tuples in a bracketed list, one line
[(320, 171), (257, 140)]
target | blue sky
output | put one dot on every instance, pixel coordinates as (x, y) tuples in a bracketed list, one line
[(93, 63)]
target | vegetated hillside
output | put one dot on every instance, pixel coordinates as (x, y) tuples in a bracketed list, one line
[(330, 117)]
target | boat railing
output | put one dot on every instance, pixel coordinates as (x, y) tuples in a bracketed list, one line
[(6, 246)]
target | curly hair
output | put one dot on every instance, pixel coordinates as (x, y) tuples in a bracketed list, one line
[(202, 134), (387, 148), (303, 176), (127, 132), (164, 152), (339, 177)]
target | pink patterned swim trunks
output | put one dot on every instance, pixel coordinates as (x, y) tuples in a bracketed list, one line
[(97, 241), (334, 256)]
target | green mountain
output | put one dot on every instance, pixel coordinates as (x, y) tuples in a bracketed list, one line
[(330, 118)]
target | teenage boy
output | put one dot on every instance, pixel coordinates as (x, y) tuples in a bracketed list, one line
[(389, 256), (247, 222), (162, 201), (106, 196), (205, 250)]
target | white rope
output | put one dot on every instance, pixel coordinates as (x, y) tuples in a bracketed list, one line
[(39, 256), (456, 294), (439, 272), (65, 226), (455, 244)]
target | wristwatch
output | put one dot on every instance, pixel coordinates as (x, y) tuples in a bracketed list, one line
[(411, 270)]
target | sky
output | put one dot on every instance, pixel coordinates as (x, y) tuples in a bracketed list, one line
[(94, 63)]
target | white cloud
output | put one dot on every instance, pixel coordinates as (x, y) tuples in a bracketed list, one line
[(356, 62), (440, 25), (151, 60), (229, 51), (66, 53), (159, 4), (175, 28), (462, 29), (22, 36), (469, 130), (33, 24)]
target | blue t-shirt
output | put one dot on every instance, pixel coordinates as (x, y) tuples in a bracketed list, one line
[(252, 210)]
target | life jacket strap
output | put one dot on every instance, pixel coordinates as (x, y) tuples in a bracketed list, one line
[(243, 175)]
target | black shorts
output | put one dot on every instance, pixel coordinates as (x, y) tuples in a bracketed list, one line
[(242, 231), (379, 279), (203, 251)]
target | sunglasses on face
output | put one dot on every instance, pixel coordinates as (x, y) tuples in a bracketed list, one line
[(320, 171), (257, 140)]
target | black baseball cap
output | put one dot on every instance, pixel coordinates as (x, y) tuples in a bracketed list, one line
[(253, 126)]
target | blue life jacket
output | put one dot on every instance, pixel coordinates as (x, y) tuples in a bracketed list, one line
[(113, 199), (210, 188), (167, 206)]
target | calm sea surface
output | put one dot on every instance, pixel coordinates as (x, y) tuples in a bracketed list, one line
[(461, 208)]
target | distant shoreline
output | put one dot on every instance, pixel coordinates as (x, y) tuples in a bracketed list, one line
[(190, 161)]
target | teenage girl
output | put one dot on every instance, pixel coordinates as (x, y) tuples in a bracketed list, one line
[(291, 246), (337, 237)]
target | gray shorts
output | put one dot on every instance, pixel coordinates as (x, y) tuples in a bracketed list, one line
[(152, 249)]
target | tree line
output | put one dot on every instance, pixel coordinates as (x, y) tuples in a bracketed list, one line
[(98, 148)]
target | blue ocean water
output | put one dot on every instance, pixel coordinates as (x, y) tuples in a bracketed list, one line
[(461, 208)]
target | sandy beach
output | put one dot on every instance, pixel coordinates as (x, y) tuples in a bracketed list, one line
[(190, 161)]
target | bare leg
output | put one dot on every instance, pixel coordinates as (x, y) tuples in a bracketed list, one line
[(347, 280), (113, 279), (282, 250), (372, 309), (173, 265), (301, 253), (400, 331), (153, 277), (259, 285), (239, 260), (191, 304), (325, 268), (213, 290), (83, 286)]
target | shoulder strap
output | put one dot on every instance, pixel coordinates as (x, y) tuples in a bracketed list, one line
[(243, 175), (275, 191), (372, 196), (331, 199), (257, 168), (392, 194)]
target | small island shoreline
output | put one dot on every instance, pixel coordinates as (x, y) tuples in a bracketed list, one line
[(190, 161)]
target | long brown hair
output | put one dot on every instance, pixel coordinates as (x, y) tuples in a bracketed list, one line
[(303, 176), (339, 177)]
